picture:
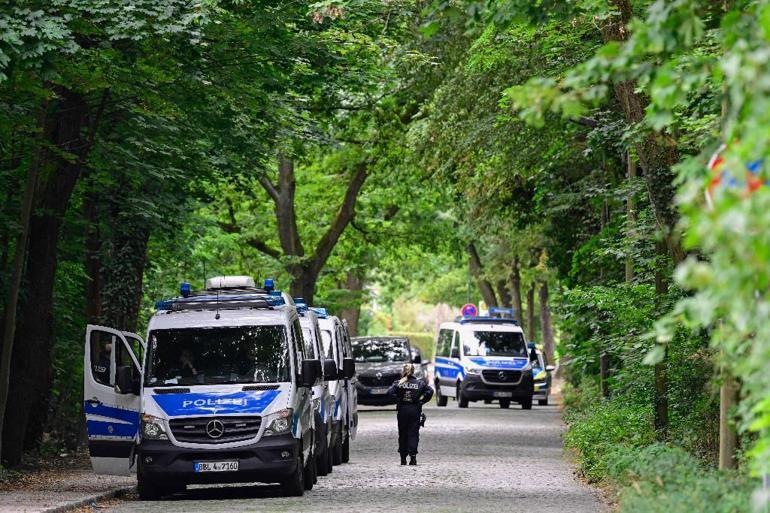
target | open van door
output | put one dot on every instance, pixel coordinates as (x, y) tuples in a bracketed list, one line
[(111, 384)]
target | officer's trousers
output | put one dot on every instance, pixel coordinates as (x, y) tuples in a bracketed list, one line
[(408, 429)]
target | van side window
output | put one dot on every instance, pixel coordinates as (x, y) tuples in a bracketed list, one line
[(102, 345), (455, 351), (123, 359), (443, 343), (299, 345)]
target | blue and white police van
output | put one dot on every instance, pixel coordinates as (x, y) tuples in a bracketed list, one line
[(336, 343), (482, 359), (221, 392), (323, 400)]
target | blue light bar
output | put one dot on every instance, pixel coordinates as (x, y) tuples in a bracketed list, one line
[(486, 320), (322, 313), (185, 289), (269, 284), (214, 301), (531, 345)]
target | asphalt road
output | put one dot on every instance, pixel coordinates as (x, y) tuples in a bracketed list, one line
[(476, 459)]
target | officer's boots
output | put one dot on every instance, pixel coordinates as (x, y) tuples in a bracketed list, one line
[(413, 460), (403, 459)]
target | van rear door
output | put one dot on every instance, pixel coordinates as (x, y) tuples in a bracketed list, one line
[(111, 382)]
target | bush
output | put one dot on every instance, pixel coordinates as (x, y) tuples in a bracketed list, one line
[(663, 479), (423, 341)]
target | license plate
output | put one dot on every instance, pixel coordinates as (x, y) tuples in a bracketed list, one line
[(503, 394), (216, 466), (380, 391)]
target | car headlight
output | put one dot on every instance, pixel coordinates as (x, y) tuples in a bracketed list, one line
[(152, 428), (279, 423), (473, 370)]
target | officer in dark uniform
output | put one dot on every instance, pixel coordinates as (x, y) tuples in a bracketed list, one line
[(410, 393)]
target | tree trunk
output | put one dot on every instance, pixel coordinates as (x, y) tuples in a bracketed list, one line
[(516, 290), (93, 263), (546, 326), (124, 271), (531, 327), (487, 293), (630, 217), (656, 153), (11, 302), (355, 284), (31, 374), (503, 294), (660, 397)]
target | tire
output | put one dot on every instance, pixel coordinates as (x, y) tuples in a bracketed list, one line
[(309, 478), (542, 402), (441, 400), (462, 402), (505, 404), (526, 404), (294, 486), (321, 461), (337, 453), (346, 449)]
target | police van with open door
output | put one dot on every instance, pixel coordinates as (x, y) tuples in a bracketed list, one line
[(336, 342), (482, 359), (221, 392)]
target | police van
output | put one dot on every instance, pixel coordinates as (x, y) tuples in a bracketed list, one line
[(221, 392), (323, 400), (336, 343), (482, 359)]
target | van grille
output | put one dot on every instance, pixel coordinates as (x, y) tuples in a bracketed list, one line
[(234, 429), (501, 376), (373, 381)]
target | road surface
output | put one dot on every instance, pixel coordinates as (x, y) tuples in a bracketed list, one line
[(472, 460)]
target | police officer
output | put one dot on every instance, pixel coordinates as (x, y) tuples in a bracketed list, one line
[(410, 394)]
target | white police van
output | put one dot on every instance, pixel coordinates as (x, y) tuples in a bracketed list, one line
[(336, 342), (323, 400), (482, 359), (223, 395)]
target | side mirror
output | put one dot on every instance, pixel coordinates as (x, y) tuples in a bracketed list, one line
[(455, 353), (124, 380), (417, 358), (532, 355), (330, 370), (311, 372), (348, 368), (550, 368)]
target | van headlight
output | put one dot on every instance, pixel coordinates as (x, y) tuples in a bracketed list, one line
[(473, 370), (152, 428), (279, 423)]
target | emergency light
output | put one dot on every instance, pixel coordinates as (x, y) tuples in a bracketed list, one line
[(185, 289), (269, 284)]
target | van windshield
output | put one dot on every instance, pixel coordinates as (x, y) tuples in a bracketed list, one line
[(380, 350), (495, 343), (209, 356)]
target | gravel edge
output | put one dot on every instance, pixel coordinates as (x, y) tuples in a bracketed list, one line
[(112, 494)]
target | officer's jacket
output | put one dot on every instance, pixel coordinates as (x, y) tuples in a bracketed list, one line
[(412, 391)]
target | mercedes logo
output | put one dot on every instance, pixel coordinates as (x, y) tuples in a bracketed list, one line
[(379, 375), (215, 428), (501, 375)]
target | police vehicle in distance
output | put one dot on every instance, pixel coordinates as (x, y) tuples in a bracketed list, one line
[(221, 392), (336, 343), (482, 358), (541, 374), (379, 363), (323, 401)]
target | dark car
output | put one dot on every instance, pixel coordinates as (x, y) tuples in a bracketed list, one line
[(379, 361)]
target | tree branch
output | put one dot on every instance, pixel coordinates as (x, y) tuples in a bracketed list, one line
[(232, 227), (345, 215), (269, 188)]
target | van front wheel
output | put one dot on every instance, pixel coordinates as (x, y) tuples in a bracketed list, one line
[(441, 399), (346, 448), (294, 486), (462, 401)]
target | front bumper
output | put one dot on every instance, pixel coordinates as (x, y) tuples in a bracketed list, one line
[(365, 396), (475, 389), (270, 460)]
